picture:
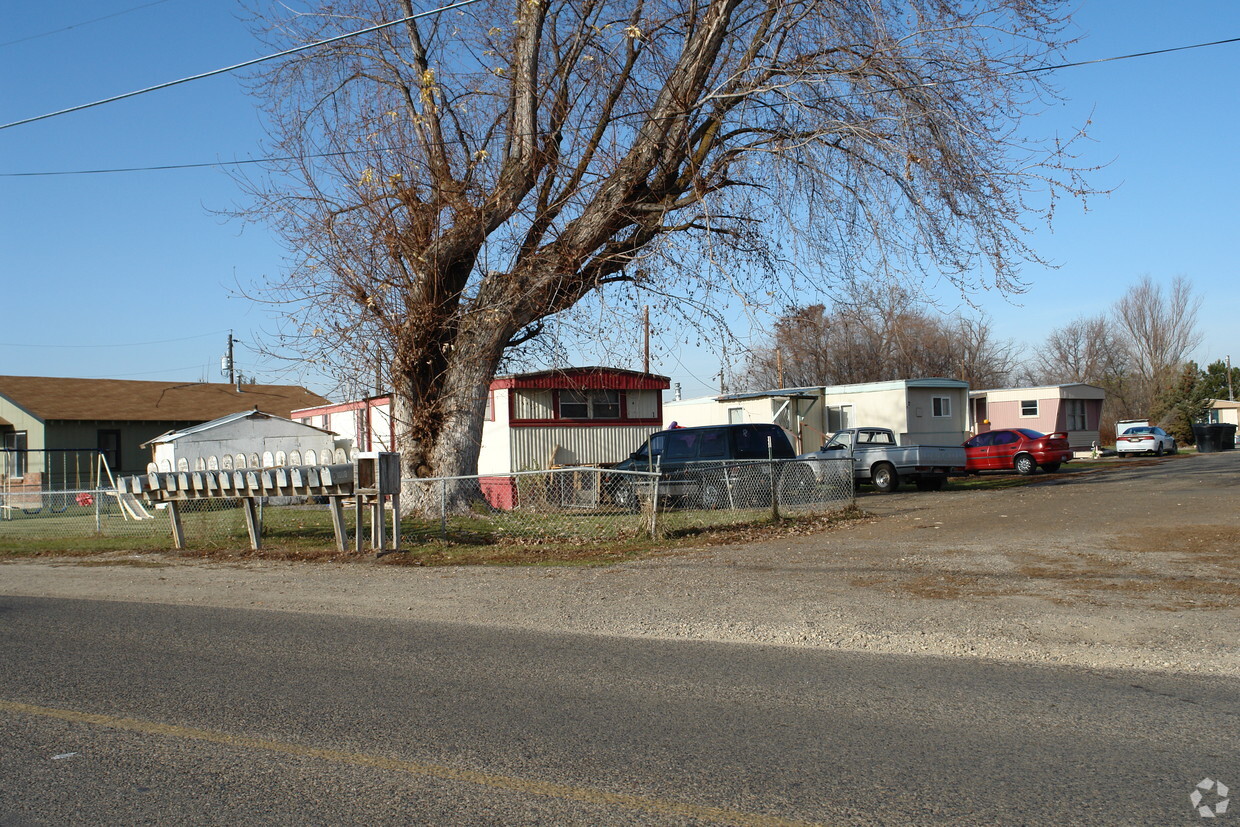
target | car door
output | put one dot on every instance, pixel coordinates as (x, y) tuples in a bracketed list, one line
[(977, 451), (1003, 450)]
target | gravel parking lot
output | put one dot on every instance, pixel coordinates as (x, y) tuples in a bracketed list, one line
[(1133, 565)]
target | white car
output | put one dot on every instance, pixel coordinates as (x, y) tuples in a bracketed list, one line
[(1145, 439)]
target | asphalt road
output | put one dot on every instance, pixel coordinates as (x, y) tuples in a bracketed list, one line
[(140, 713)]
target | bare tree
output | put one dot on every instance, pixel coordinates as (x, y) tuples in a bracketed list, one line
[(458, 179), (1160, 331), (879, 339), (1137, 355), (1087, 349)]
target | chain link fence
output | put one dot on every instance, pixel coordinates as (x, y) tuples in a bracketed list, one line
[(574, 505), (99, 519)]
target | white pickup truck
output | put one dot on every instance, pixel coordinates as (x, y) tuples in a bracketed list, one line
[(878, 460)]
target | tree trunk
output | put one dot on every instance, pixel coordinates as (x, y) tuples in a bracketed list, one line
[(441, 437)]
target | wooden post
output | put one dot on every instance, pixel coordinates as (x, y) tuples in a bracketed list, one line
[(377, 524), (337, 508), (178, 531), (396, 522), (251, 522)]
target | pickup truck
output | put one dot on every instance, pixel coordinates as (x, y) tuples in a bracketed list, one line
[(878, 460)]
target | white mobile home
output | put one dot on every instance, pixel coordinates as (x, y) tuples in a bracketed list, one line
[(920, 411)]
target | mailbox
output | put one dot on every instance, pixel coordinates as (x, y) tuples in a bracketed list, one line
[(378, 472)]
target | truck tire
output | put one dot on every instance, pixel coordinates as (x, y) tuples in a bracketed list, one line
[(884, 478)]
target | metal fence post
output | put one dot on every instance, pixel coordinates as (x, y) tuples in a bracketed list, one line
[(770, 458), (443, 509)]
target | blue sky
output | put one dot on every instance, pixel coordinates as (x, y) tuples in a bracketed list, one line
[(133, 275)]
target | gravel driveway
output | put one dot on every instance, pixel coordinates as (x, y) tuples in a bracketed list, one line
[(1136, 565)]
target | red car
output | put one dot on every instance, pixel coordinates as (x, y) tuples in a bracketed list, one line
[(1018, 449)]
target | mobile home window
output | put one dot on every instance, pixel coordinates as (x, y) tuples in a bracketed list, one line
[(736, 416), (574, 405), (1029, 407), (589, 405), (1074, 414), (942, 406), (605, 404)]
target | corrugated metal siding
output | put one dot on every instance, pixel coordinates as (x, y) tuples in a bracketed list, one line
[(531, 404), (532, 448)]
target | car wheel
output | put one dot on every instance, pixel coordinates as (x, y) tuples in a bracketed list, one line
[(1158, 450), (1025, 465), (885, 478), (1050, 467), (625, 497), (711, 494), (797, 484), (1174, 449)]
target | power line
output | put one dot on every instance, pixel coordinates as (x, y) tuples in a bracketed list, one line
[(244, 161), (129, 344), (83, 23), (242, 65)]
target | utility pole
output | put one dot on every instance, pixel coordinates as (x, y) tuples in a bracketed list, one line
[(779, 367), (1231, 394), (646, 345), (227, 365)]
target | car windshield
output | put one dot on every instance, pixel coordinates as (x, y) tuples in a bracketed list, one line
[(1031, 434)]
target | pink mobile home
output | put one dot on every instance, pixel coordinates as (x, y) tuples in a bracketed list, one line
[(1075, 409)]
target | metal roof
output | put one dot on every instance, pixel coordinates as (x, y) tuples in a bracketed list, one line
[(172, 436)]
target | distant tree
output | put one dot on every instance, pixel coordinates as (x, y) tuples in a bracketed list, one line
[(1090, 350), (1136, 354), (885, 335), (1159, 331), (1216, 383), (1182, 403), (448, 185)]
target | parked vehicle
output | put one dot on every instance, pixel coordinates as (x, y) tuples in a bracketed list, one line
[(1143, 440), (878, 460), (710, 466), (1018, 449)]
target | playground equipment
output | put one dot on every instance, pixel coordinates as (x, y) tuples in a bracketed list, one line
[(35, 479), (371, 479)]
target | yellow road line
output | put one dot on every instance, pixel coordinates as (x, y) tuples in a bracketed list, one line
[(501, 782)]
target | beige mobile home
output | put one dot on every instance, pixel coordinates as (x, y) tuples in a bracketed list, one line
[(920, 411)]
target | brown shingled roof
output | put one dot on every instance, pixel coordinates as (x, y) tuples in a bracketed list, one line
[(49, 397)]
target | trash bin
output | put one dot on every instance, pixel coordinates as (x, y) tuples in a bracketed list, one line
[(1228, 438), (1209, 438)]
